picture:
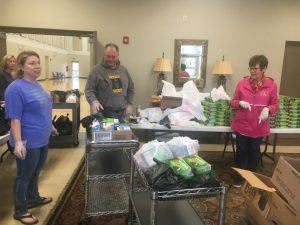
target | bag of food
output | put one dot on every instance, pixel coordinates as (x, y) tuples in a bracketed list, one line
[(180, 168), (199, 166)]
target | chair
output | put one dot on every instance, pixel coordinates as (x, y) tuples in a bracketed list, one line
[(229, 137), (54, 75)]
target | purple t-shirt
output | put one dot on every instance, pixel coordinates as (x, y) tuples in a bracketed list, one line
[(32, 105)]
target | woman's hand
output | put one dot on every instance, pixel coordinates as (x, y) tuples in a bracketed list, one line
[(245, 105), (20, 150), (264, 114)]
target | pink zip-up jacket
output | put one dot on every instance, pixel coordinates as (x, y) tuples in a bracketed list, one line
[(246, 122)]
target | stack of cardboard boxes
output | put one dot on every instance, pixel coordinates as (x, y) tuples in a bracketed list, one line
[(276, 200)]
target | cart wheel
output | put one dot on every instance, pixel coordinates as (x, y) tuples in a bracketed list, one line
[(76, 143)]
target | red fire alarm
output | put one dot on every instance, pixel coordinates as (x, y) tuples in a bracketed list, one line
[(125, 40)]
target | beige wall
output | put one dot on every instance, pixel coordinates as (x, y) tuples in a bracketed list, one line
[(236, 28)]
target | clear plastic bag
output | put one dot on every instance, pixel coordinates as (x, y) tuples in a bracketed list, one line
[(163, 152)]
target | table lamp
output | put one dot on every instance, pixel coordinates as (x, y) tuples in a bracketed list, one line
[(161, 65), (222, 68)]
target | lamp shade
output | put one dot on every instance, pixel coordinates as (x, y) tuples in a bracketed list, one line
[(222, 67), (162, 65)]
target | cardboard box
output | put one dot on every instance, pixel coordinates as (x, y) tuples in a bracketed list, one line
[(264, 200), (253, 216), (286, 178), (98, 136), (258, 190), (281, 212), (170, 102)]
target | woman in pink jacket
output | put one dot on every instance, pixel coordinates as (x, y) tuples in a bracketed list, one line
[(255, 97)]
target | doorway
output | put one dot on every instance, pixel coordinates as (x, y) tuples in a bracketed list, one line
[(92, 35), (290, 77), (75, 69)]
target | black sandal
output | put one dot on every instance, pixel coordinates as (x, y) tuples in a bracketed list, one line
[(45, 200), (29, 215)]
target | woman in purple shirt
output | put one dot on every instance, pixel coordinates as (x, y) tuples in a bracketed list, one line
[(29, 108)]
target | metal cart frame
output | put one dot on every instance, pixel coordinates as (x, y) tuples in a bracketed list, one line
[(107, 163), (168, 196), (72, 139)]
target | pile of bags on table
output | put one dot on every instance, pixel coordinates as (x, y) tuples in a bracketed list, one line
[(190, 113), (175, 165)]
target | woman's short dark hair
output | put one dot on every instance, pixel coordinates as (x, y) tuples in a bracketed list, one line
[(261, 60)]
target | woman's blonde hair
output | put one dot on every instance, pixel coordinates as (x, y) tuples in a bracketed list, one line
[(4, 61), (21, 59)]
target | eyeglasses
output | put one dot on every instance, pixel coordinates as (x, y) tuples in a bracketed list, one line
[(254, 68)]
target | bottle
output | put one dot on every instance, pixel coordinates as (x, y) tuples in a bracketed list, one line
[(138, 111)]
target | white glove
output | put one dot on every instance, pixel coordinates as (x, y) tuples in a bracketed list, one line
[(245, 105), (264, 114), (20, 149)]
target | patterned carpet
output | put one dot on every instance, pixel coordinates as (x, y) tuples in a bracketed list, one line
[(71, 211)]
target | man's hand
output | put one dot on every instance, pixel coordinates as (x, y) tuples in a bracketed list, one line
[(245, 105), (96, 107), (20, 150), (128, 111), (264, 114)]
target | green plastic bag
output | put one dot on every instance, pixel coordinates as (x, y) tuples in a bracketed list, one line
[(180, 168), (199, 166)]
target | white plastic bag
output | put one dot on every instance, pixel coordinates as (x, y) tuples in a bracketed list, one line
[(191, 100), (183, 146), (180, 118), (169, 90), (145, 155), (153, 114), (218, 94), (71, 98)]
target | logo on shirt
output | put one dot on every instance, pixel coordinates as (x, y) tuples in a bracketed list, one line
[(116, 83), (264, 93)]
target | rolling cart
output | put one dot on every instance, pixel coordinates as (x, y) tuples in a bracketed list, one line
[(72, 139), (107, 163), (153, 207)]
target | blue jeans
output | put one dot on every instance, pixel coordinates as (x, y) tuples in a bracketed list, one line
[(25, 189), (247, 152)]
